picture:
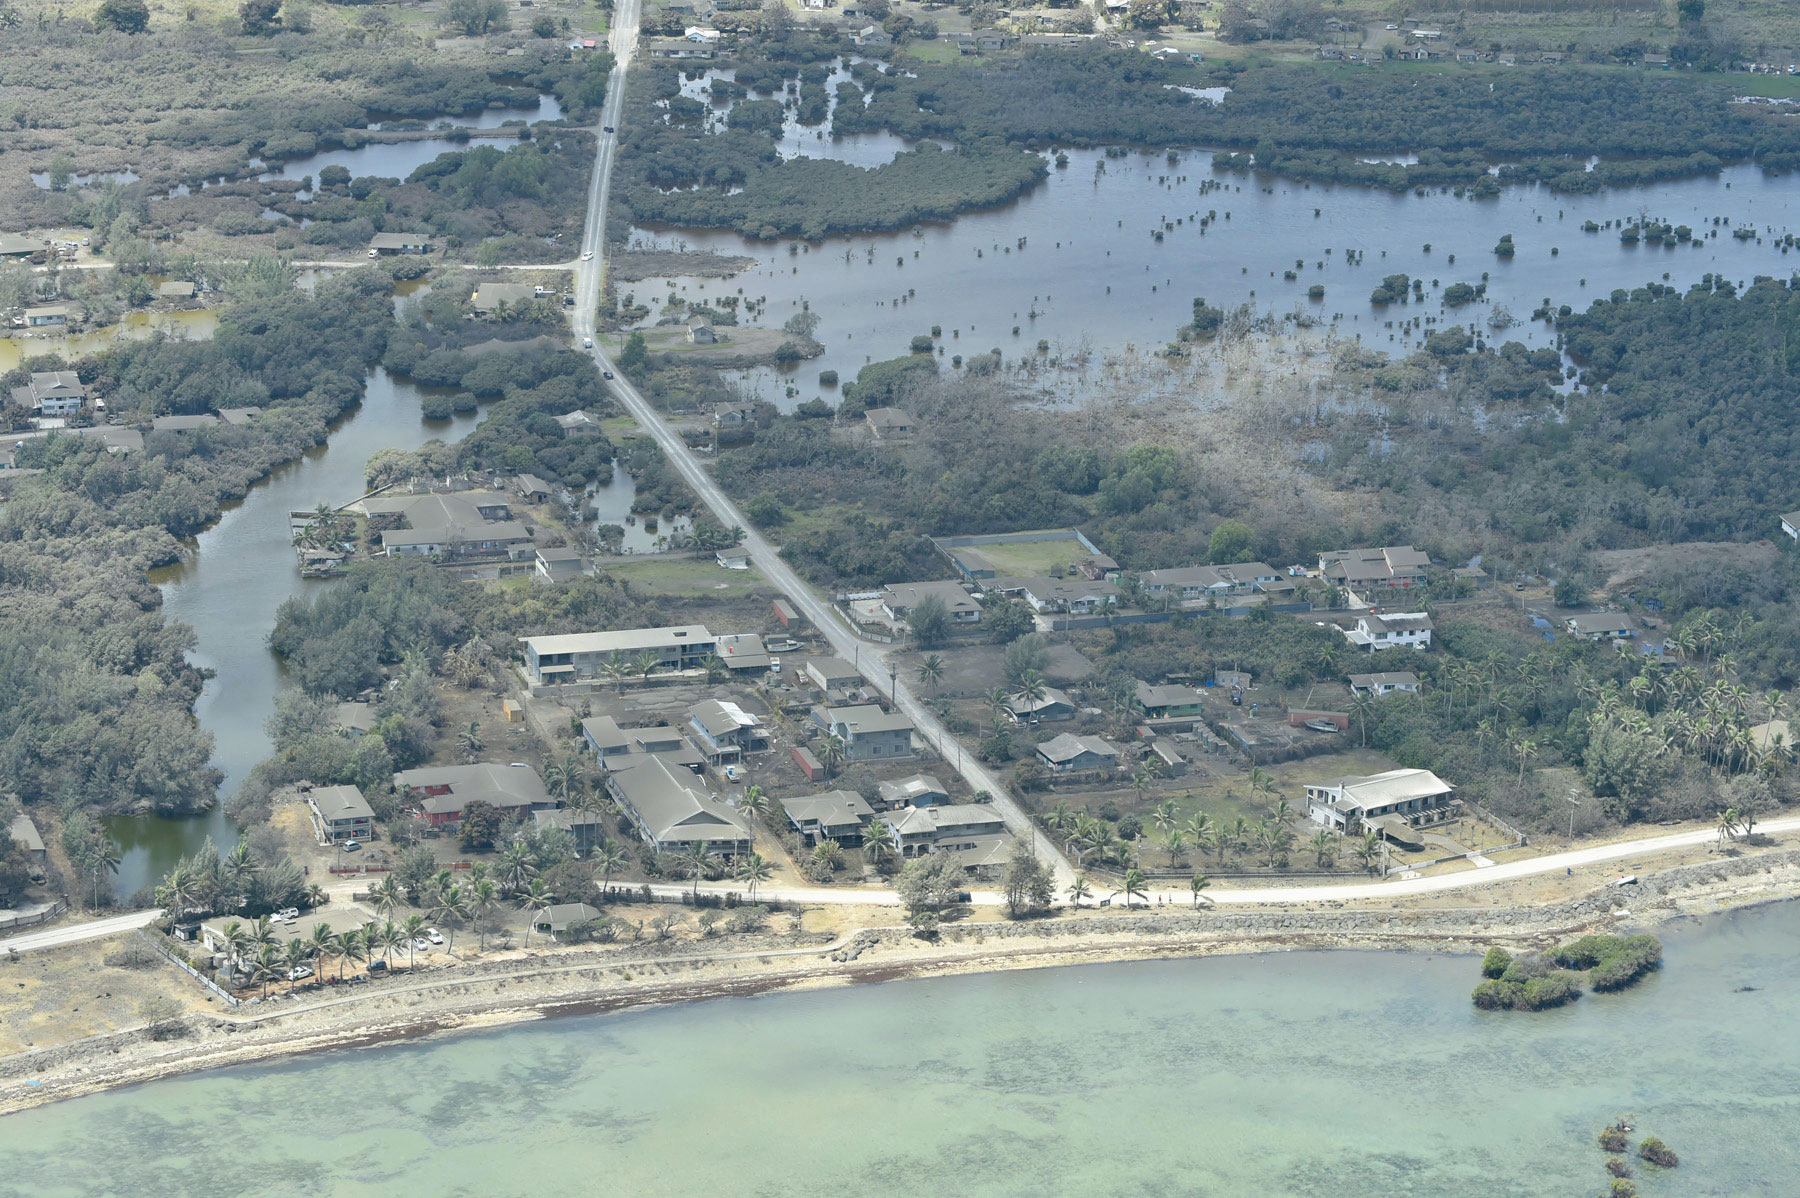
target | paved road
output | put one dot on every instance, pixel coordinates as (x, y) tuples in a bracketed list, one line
[(872, 662), (76, 933)]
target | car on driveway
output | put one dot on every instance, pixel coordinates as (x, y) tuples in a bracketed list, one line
[(434, 936), (351, 846), (420, 943)]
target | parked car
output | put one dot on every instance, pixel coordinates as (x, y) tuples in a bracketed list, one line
[(377, 966), (608, 128), (299, 973), (434, 936), (419, 942), (351, 846), (733, 773), (291, 913)]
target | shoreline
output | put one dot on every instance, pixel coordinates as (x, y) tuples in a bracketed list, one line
[(486, 996)]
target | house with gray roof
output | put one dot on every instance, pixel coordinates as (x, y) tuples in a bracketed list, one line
[(1383, 802), (919, 790), (1601, 626), (493, 297), (340, 813), (868, 732), (899, 599), (838, 815), (889, 424), (1079, 596), (1189, 583), (1165, 701), (724, 731), (1068, 753), (1393, 567), (25, 834), (556, 919), (1384, 683), (831, 673), (1052, 705), (441, 792), (578, 424), (399, 243), (451, 524), (52, 393), (673, 813), (942, 828)]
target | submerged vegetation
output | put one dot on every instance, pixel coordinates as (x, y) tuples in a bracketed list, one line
[(1537, 981)]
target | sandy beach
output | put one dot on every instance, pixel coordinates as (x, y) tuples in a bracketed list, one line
[(596, 979)]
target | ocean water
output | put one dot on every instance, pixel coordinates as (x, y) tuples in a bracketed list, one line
[(1329, 1073)]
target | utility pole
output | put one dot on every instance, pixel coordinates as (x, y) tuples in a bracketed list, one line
[(1573, 803)]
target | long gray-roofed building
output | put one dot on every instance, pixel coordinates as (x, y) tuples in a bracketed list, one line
[(674, 813), (579, 656), (441, 792)]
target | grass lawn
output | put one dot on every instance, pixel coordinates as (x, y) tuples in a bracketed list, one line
[(690, 576), (618, 428), (1030, 559), (934, 52)]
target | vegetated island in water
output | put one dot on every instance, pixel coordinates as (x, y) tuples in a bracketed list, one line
[(1535, 981)]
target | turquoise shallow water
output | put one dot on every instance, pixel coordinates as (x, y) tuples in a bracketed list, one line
[(1302, 1073)]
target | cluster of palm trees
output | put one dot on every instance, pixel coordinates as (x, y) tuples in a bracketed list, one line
[(325, 528), (258, 951), (1688, 710), (1089, 839), (188, 889)]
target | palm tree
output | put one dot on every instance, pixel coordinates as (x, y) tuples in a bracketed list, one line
[(698, 861), (238, 867), (450, 906), (1273, 839), (878, 842), (754, 805), (1140, 782), (294, 955), (608, 858), (237, 940), (103, 862), (715, 668), (1324, 847), (1078, 889), (931, 671), (1134, 884), (1240, 833), (1526, 748), (645, 662), (1164, 815), (1368, 850), (562, 777), (385, 895), (617, 672), (1361, 707), (1196, 884), (324, 943), (265, 967), (1261, 781), (484, 897), (1032, 688), (178, 892), (387, 937), (356, 944), (469, 740), (535, 899), (1173, 841), (517, 866), (415, 927), (1201, 831), (262, 932), (831, 753), (828, 853), (996, 701), (1728, 824), (754, 871)]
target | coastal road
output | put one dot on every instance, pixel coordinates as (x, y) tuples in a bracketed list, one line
[(76, 933), (873, 663)]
